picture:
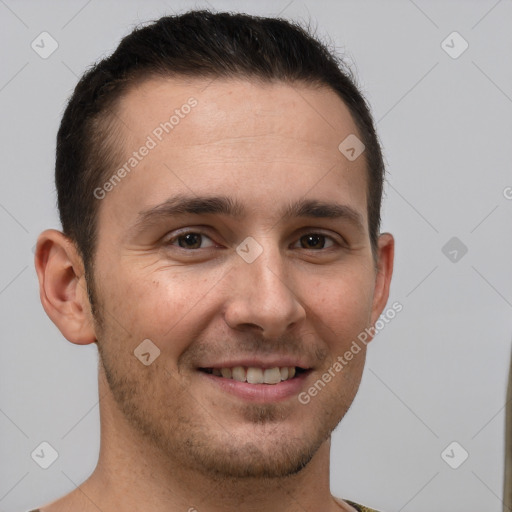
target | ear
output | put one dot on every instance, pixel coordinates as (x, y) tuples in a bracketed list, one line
[(385, 255), (62, 287)]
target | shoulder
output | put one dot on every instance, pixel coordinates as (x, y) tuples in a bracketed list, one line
[(360, 508)]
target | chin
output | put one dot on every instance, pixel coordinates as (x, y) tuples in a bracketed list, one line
[(277, 460)]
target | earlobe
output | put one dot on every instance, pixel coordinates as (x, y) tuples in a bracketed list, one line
[(62, 286), (386, 254)]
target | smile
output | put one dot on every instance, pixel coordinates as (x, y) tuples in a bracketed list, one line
[(256, 375)]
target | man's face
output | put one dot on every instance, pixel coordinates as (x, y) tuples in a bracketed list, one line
[(295, 294)]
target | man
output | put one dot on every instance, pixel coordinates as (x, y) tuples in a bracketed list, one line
[(219, 185)]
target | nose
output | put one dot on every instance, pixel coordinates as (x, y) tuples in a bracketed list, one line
[(262, 296)]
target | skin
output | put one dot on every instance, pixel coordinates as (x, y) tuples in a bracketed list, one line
[(170, 439)]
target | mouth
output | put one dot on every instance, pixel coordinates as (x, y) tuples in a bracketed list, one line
[(257, 384), (257, 375), (257, 379)]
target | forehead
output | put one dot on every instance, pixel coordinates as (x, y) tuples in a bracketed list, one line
[(248, 139), (252, 107)]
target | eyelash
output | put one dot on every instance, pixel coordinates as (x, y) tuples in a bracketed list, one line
[(170, 241)]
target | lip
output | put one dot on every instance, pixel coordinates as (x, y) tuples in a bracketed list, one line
[(258, 393), (260, 363)]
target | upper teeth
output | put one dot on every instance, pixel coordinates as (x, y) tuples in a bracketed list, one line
[(254, 375)]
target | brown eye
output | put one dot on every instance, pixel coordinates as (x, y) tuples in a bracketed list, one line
[(314, 241), (190, 240)]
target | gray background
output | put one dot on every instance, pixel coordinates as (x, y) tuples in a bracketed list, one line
[(435, 374)]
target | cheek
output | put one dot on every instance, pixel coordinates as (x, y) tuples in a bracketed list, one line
[(343, 305), (164, 306)]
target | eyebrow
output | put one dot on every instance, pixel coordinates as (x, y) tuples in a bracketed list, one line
[(223, 205)]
